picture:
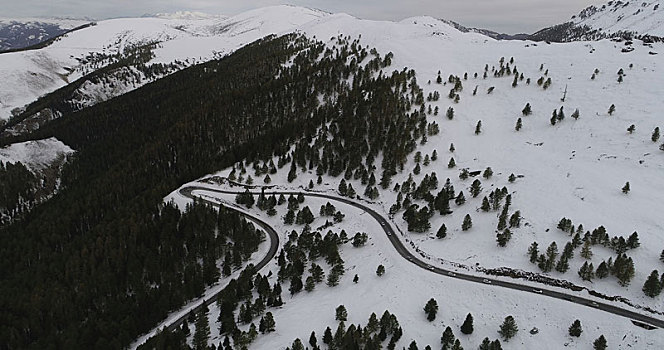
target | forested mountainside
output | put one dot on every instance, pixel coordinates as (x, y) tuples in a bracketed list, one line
[(97, 261)]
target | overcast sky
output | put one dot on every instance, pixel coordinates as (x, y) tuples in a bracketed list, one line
[(509, 16)]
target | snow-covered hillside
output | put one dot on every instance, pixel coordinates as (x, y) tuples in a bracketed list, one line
[(35, 155), (575, 169), (183, 37), (642, 17)]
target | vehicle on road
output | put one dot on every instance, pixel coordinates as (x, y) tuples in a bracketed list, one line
[(486, 281), (538, 291), (594, 304), (430, 267), (451, 274)]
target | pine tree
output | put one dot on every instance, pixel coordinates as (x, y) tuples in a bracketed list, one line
[(586, 252), (511, 178), (626, 188), (575, 329), (652, 287), (460, 199), (450, 113), (533, 252), (297, 345), (341, 313), (447, 339), (309, 284), (488, 172), (661, 256), (380, 270), (519, 124), (600, 343), (612, 109), (586, 271), (563, 264), (485, 204), (631, 128), (343, 188), (526, 110), (451, 163), (312, 340), (431, 308), (478, 127), (475, 188), (576, 114), (467, 326), (508, 329), (655, 135), (452, 148), (442, 232), (434, 155), (327, 336), (356, 278), (467, 223), (602, 270), (202, 332)]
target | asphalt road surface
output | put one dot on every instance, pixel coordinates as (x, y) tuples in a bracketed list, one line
[(641, 320)]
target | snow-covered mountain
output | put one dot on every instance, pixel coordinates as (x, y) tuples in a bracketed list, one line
[(640, 17), (20, 33), (563, 167), (615, 18)]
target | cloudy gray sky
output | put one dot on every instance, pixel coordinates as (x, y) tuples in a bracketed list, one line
[(510, 16)]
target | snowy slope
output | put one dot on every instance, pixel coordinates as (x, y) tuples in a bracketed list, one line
[(185, 37), (35, 155), (642, 17), (574, 169)]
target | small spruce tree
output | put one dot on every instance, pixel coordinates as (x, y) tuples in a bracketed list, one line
[(626, 188), (508, 329), (467, 223), (467, 326), (575, 329)]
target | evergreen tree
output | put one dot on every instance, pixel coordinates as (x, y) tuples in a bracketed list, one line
[(297, 345), (412, 346), (527, 110), (312, 340), (309, 284), (478, 127), (356, 279), (460, 199), (467, 223), (655, 135), (612, 109), (586, 252), (467, 326), (451, 163), (652, 287), (327, 336), (661, 256), (519, 124), (341, 313), (576, 114), (602, 270), (600, 343), (380, 270), (450, 113), (533, 252), (202, 332), (447, 339), (457, 345), (452, 148), (488, 172), (343, 188), (476, 188), (485, 204), (442, 232), (586, 272), (575, 329), (626, 188), (431, 308), (508, 329)]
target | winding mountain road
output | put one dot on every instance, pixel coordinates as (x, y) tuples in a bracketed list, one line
[(641, 320)]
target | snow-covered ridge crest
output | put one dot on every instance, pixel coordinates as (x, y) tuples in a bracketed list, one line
[(641, 17), (187, 15)]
